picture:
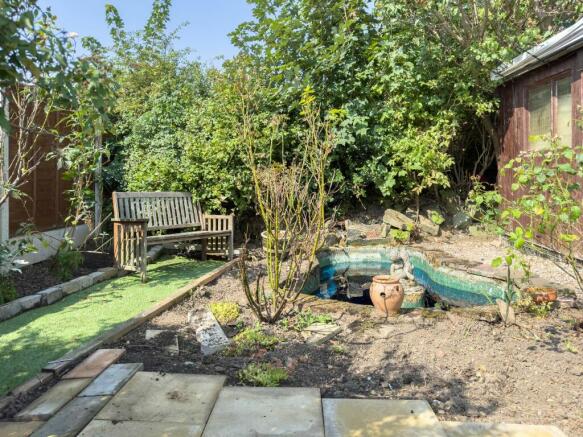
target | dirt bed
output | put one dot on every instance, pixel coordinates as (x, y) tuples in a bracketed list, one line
[(37, 277), (467, 365)]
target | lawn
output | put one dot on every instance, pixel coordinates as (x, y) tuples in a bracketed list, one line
[(29, 341)]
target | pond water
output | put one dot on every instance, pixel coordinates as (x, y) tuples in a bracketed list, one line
[(347, 273)]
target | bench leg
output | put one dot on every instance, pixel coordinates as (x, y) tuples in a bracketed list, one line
[(203, 246), (231, 244), (144, 257)]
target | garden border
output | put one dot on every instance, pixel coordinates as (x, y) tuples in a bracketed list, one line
[(53, 294), (55, 368)]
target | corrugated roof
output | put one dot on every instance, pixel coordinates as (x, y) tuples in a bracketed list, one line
[(564, 42)]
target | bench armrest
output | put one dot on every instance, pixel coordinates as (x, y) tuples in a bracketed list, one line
[(216, 222), (129, 221)]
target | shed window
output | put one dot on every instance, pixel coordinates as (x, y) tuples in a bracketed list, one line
[(550, 113)]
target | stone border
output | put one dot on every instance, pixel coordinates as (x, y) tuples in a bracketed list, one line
[(55, 368), (53, 294)]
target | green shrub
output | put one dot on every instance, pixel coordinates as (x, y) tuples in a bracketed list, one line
[(225, 312), (66, 262), (251, 339), (7, 290), (263, 375)]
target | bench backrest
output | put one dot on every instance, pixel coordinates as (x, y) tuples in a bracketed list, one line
[(164, 210)]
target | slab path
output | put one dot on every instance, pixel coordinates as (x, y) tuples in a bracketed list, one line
[(99, 398)]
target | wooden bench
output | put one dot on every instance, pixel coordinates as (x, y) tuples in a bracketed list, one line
[(136, 215)]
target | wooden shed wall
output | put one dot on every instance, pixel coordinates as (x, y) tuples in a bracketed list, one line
[(513, 126), (45, 204)]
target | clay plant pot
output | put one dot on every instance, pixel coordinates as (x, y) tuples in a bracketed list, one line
[(281, 242), (387, 294), (542, 294)]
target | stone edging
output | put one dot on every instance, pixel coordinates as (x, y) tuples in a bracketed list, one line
[(57, 367), (53, 294)]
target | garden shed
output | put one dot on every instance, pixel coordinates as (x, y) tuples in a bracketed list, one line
[(541, 97)]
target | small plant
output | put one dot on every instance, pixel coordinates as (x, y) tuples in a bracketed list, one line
[(308, 318), (400, 236), (251, 339), (263, 375), (436, 217), (570, 347), (338, 349), (66, 261), (483, 202), (225, 312), (7, 290), (541, 310)]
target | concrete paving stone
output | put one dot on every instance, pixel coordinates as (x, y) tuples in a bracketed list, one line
[(73, 417), (77, 284), (108, 428), (380, 418), (18, 429), (176, 398), (51, 295), (475, 429), (253, 411), (30, 302), (112, 379), (9, 310), (53, 400), (95, 363)]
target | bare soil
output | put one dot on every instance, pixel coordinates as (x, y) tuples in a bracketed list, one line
[(37, 277), (464, 362)]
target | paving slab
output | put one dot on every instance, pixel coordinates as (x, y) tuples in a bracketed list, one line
[(254, 411), (112, 379), (53, 400), (108, 428), (380, 418), (73, 417), (18, 429), (95, 363), (475, 429), (175, 398)]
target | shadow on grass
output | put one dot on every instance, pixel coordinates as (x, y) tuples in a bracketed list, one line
[(30, 340)]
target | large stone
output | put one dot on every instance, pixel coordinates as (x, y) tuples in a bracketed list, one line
[(380, 417), (461, 220), (73, 417), (155, 397), (96, 363), (475, 429), (53, 400), (51, 295), (109, 272), (10, 310), (427, 226), (18, 429), (153, 333), (262, 411), (30, 302), (319, 333), (108, 428), (98, 277), (397, 220), (77, 284), (209, 333), (112, 379)]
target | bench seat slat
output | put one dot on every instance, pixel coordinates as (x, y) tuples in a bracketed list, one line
[(184, 236)]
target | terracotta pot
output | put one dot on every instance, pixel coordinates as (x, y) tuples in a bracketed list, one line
[(387, 294), (542, 294)]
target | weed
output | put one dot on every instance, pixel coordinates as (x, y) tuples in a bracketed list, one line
[(251, 339), (570, 347), (400, 236), (7, 290), (263, 375), (66, 262), (225, 312), (541, 310), (338, 349), (436, 217), (308, 318)]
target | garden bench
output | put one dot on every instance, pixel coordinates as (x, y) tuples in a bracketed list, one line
[(136, 215)]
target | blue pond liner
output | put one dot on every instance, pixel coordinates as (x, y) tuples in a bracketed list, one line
[(452, 286)]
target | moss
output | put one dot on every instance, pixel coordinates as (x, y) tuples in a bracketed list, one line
[(263, 374), (225, 312)]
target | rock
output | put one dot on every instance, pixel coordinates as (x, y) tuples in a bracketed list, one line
[(76, 284), (385, 230), (506, 312), (153, 333), (51, 295), (209, 333), (397, 220), (30, 302), (461, 220), (109, 272), (98, 277), (427, 226), (331, 239), (10, 310), (321, 332)]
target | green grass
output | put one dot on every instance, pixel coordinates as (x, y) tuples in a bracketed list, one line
[(30, 340)]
